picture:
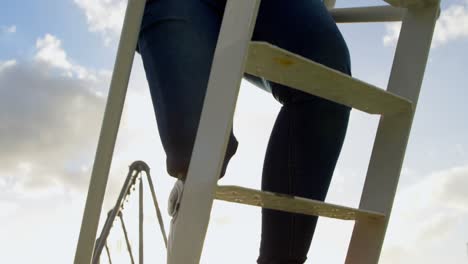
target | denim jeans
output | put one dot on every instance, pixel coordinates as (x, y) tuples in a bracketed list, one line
[(177, 43)]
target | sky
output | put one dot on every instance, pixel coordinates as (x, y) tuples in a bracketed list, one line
[(56, 60)]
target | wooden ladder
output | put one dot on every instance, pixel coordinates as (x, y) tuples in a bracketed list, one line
[(396, 105)]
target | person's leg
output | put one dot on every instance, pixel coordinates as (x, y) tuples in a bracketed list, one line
[(301, 156), (177, 44), (309, 131)]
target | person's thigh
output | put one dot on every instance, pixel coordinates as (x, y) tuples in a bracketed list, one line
[(304, 27), (177, 43)]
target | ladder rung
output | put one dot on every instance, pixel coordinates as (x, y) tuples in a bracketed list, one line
[(412, 3), (367, 14), (292, 204), (286, 68)]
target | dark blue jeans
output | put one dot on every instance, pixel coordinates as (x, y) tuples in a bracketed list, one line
[(177, 43)]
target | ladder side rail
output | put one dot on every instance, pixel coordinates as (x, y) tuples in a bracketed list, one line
[(414, 4), (109, 129), (367, 14), (190, 224), (392, 134)]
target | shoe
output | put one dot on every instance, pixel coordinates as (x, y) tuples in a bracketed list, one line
[(174, 198), (173, 208)]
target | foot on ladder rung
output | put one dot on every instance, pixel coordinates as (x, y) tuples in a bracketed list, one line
[(286, 68), (292, 204)]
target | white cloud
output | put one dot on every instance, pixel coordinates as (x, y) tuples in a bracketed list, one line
[(438, 226), (104, 16), (393, 31), (9, 29), (50, 113), (453, 188), (395, 254), (7, 64), (452, 25), (48, 126), (50, 52), (429, 214)]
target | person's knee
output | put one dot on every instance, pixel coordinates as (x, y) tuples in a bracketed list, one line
[(288, 96), (179, 155)]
